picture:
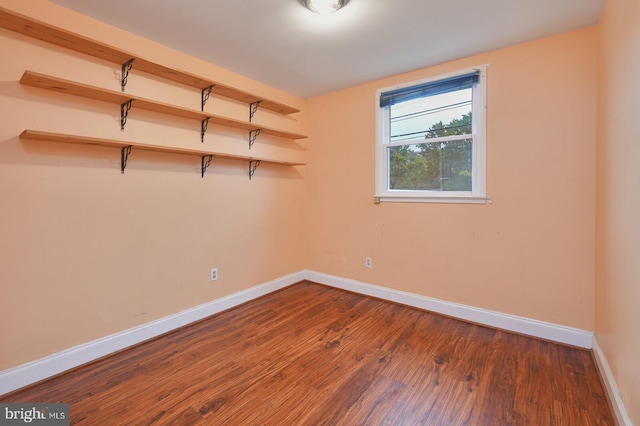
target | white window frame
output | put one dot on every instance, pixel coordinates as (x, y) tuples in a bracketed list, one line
[(478, 194)]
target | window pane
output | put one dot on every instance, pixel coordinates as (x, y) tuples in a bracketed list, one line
[(434, 116), (444, 166)]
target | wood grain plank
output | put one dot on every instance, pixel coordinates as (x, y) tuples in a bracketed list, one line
[(76, 42), (314, 355), (112, 143), (60, 85)]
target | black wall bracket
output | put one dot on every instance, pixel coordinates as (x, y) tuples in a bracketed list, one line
[(253, 134), (124, 112), (124, 156), (206, 162), (203, 128), (126, 67), (206, 92), (253, 107), (253, 165)]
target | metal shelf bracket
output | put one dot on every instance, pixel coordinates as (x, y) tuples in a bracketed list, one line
[(253, 107), (126, 67), (206, 162), (253, 134), (124, 112), (206, 92), (203, 128), (124, 156), (253, 165)]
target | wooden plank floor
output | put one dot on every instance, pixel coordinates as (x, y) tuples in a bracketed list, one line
[(314, 355)]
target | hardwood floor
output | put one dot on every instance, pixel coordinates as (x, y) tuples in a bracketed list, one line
[(314, 355)]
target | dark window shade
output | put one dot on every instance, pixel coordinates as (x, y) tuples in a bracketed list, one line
[(432, 88)]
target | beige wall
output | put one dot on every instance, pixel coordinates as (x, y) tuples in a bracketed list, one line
[(618, 204), (85, 251), (531, 252)]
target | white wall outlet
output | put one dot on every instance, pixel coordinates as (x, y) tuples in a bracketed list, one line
[(214, 274), (368, 262)]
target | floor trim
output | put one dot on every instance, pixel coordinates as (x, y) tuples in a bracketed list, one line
[(527, 326), (610, 386), (33, 372), (26, 374)]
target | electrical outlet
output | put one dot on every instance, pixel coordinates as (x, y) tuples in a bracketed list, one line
[(214, 274), (368, 262)]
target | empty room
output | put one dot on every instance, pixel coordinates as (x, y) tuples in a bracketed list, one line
[(304, 212)]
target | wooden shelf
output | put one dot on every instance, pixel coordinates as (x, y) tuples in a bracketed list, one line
[(34, 79), (61, 37), (86, 140)]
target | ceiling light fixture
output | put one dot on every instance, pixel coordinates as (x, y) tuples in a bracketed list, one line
[(324, 7)]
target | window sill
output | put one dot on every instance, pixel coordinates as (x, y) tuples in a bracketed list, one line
[(444, 199)]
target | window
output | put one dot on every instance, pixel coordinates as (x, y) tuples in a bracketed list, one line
[(431, 139)]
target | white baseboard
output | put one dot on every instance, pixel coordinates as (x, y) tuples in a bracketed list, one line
[(26, 374), (32, 372), (529, 327), (611, 387)]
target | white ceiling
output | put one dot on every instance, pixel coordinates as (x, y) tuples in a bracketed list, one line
[(282, 44)]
